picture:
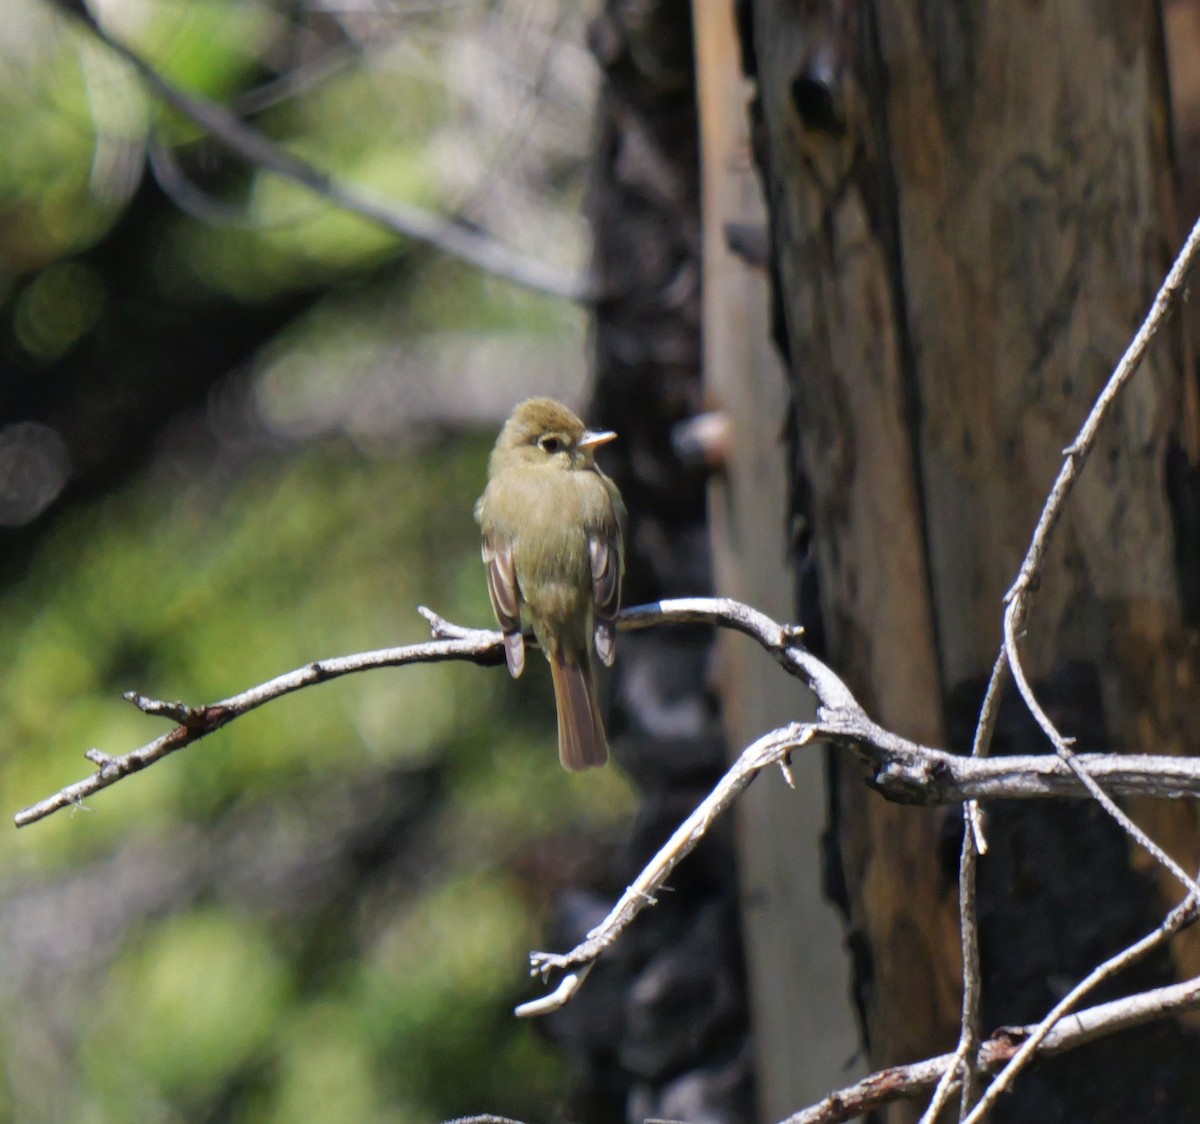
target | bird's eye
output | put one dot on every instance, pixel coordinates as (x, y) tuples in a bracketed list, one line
[(551, 444)]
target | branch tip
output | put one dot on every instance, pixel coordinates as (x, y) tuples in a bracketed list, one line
[(432, 617), (177, 711), (975, 822), (558, 998), (442, 629), (785, 767)]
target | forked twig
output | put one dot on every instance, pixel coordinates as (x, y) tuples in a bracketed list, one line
[(1182, 916), (1008, 660), (907, 1082), (772, 749)]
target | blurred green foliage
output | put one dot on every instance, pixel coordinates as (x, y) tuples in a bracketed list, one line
[(202, 588), (388, 120), (222, 937)]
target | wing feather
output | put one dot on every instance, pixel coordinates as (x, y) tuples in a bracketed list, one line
[(505, 595), (604, 553)]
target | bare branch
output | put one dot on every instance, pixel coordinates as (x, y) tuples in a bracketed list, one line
[(951, 1079), (906, 1082), (198, 722), (1182, 916), (768, 750), (559, 997), (1074, 458), (454, 238), (902, 770), (974, 843), (1018, 598), (1067, 754), (920, 765), (885, 1086), (451, 642), (961, 1071)]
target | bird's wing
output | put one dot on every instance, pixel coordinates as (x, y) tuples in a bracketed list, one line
[(506, 598), (604, 552)]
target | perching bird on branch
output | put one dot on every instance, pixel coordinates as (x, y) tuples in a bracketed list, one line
[(552, 527)]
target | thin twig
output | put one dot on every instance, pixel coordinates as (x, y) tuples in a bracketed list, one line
[(1016, 610), (972, 972), (907, 1082), (460, 241), (1179, 918), (1074, 458), (198, 722), (1067, 754), (962, 1072), (951, 1079), (764, 753), (559, 997)]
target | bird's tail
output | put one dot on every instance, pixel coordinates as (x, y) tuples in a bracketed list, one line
[(581, 740)]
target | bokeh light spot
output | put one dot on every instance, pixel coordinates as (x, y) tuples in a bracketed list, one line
[(57, 309), (34, 466)]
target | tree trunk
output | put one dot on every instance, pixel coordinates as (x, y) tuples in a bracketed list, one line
[(971, 207), (797, 974)]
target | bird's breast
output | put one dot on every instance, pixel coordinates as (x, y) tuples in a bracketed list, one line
[(549, 516)]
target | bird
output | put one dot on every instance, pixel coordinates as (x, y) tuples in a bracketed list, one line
[(553, 531)]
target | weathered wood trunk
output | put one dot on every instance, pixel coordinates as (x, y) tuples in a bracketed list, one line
[(971, 206), (796, 966)]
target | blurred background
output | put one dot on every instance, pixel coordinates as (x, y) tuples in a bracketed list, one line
[(240, 429)]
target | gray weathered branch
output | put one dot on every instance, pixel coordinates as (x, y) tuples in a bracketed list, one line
[(905, 1082), (901, 770)]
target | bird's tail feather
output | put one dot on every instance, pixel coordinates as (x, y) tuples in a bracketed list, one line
[(581, 740)]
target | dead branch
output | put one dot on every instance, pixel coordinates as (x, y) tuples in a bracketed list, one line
[(1181, 917), (196, 722), (771, 749), (901, 770), (1008, 662), (907, 1082), (904, 770)]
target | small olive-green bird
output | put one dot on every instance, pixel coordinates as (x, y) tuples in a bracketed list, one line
[(552, 527)]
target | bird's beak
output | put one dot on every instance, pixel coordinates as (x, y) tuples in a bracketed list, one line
[(591, 440)]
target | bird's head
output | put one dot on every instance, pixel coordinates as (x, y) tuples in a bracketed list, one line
[(541, 431)]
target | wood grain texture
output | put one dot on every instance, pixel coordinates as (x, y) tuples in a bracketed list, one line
[(852, 403), (972, 207), (1037, 218), (797, 971)]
